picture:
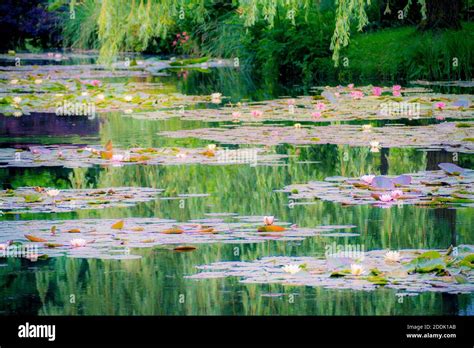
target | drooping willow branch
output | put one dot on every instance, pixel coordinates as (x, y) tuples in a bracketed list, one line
[(132, 24)]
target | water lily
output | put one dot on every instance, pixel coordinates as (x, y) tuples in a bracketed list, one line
[(211, 147), (396, 93), (38, 81), (367, 127), (377, 91), (85, 94), (216, 98), (181, 155), (14, 82), (78, 242), (292, 269), (95, 83), (236, 114), (367, 178), (59, 95), (392, 256), (374, 146), (100, 96), (291, 102), (350, 85), (3, 246), (257, 113), (268, 220), (58, 55), (357, 269), (128, 111), (17, 100), (117, 158), (397, 88), (386, 198), (297, 125), (440, 118), (320, 106), (316, 115), (128, 98), (396, 194), (357, 94), (52, 193), (440, 105), (17, 114)]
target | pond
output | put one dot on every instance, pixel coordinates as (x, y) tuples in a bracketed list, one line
[(158, 282)]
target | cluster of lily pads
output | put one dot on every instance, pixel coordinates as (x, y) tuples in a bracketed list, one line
[(105, 238), (72, 156), (336, 104), (453, 186), (450, 136), (43, 200), (407, 271)]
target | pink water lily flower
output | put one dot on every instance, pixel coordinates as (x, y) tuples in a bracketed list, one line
[(316, 115), (367, 178), (268, 220), (397, 88), (396, 94), (320, 106), (377, 91), (357, 94), (350, 85), (440, 118), (396, 194), (440, 105), (236, 114), (291, 102), (257, 113), (385, 198)]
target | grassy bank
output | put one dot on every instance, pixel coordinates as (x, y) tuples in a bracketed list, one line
[(406, 54)]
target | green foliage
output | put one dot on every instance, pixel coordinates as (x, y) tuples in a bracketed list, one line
[(407, 54)]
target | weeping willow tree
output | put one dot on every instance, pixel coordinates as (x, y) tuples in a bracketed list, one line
[(131, 25)]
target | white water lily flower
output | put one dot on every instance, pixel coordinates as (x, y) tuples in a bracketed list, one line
[(211, 147), (38, 81), (85, 94), (52, 193), (78, 242), (3, 246), (357, 269), (374, 146), (297, 125), (268, 220), (17, 114), (367, 127), (292, 269), (59, 95), (392, 256), (128, 111), (100, 96), (181, 155), (216, 98), (128, 98), (117, 158), (17, 100), (13, 82)]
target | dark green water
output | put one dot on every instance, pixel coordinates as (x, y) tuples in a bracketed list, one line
[(155, 284)]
